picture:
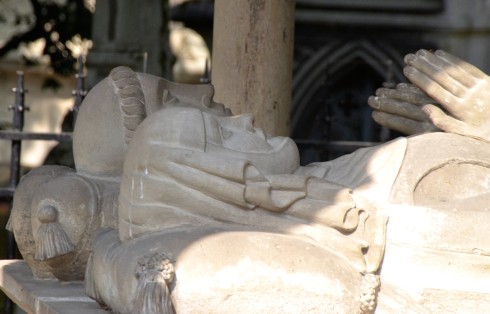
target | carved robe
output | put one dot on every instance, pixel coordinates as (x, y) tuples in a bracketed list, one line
[(165, 187)]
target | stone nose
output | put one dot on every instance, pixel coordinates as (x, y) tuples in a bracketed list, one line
[(247, 121)]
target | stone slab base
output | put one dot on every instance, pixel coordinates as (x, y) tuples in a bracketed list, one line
[(44, 296)]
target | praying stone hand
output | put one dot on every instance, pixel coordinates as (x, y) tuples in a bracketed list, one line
[(461, 89), (400, 109), (461, 94)]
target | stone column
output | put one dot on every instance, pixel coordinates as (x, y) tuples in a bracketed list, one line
[(252, 59), (123, 30)]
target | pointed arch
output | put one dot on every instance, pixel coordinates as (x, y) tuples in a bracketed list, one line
[(331, 60)]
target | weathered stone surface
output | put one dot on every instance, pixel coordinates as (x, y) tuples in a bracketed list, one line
[(436, 261), (224, 271), (44, 296), (56, 244), (199, 211)]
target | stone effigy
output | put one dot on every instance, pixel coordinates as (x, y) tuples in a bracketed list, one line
[(178, 206)]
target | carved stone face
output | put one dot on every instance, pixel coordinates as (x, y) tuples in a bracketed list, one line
[(237, 133), (236, 137), (179, 130)]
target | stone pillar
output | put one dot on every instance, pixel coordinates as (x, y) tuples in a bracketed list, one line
[(252, 59), (123, 30)]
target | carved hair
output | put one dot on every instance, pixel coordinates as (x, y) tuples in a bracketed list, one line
[(128, 89)]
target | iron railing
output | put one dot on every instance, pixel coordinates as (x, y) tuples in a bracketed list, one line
[(16, 135)]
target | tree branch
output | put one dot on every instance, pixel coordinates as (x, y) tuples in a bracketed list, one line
[(35, 32)]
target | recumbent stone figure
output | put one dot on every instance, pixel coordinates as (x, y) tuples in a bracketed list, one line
[(178, 206)]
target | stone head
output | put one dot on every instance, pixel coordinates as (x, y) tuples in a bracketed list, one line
[(115, 107), (185, 128)]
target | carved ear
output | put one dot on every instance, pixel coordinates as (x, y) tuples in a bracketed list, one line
[(51, 240)]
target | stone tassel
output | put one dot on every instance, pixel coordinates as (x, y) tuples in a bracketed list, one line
[(51, 239), (153, 296), (369, 293)]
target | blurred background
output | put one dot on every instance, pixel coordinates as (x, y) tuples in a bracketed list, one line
[(343, 51)]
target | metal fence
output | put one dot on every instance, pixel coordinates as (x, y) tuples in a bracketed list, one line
[(16, 135)]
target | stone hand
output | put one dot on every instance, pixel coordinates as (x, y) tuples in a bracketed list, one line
[(462, 90), (400, 109)]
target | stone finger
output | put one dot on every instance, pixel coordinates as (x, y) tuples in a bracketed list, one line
[(382, 91), (451, 66), (408, 87), (467, 67), (424, 98), (412, 96), (436, 69), (400, 124), (445, 122), (400, 108), (442, 96)]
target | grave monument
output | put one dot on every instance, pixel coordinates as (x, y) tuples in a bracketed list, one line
[(177, 206)]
